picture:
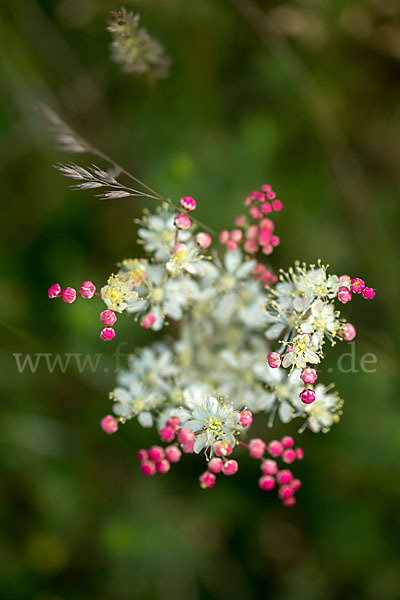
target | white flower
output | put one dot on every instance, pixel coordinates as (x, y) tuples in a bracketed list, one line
[(119, 293), (184, 258), (283, 310), (241, 377), (213, 421), (194, 395), (157, 233), (154, 366), (137, 401), (238, 295), (321, 321), (324, 411), (301, 351), (163, 297), (290, 299), (284, 395)]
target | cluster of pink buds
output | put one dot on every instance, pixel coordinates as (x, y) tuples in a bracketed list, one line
[(255, 236), (221, 463), (272, 476), (353, 286), (87, 290), (261, 273), (231, 240), (69, 294), (108, 318), (157, 459), (183, 222)]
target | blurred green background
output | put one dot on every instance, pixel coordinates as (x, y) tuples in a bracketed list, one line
[(305, 96)]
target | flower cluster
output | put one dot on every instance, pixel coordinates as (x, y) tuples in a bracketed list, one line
[(255, 232), (301, 310), (202, 387)]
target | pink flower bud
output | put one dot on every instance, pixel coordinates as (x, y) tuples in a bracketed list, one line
[(277, 205), (295, 485), (230, 467), (215, 465), (357, 285), (266, 208), (207, 480), (289, 456), (182, 222), (275, 448), (173, 454), (344, 295), (148, 321), (259, 270), (266, 483), (188, 448), (236, 235), (156, 453), (246, 418), (269, 467), (265, 237), (284, 477), (188, 203), (307, 396), (185, 436), (348, 332), (163, 466), (69, 295), (87, 289), (266, 187), (108, 317), (252, 232), (222, 449), (267, 225), (274, 360), (368, 293), (109, 424), (287, 441), (285, 492), (174, 422), (148, 468), (268, 249), (142, 454), (167, 434), (54, 290), (107, 334), (309, 375), (231, 245), (241, 221), (255, 212), (299, 453), (203, 240), (289, 501), (275, 241), (223, 236), (257, 448), (251, 246)]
